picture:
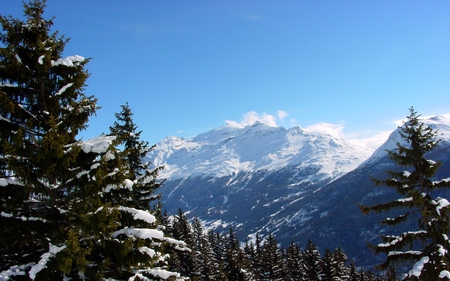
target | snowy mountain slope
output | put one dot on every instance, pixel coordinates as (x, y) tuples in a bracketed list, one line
[(250, 177), (296, 185), (230, 150), (334, 216)]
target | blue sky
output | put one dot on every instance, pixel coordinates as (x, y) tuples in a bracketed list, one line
[(350, 68)]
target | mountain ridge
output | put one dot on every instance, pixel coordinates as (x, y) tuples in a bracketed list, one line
[(300, 192)]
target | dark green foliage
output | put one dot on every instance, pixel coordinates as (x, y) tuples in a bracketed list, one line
[(134, 150), (42, 109), (425, 246), (69, 209), (222, 257)]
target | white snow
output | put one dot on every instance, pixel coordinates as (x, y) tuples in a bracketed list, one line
[(439, 122), (139, 214), (18, 58), (156, 272), (440, 203), (229, 150), (417, 269), (63, 89), (97, 145), (147, 251), (5, 182), (41, 59), (53, 250), (143, 233), (17, 270), (69, 61), (444, 274)]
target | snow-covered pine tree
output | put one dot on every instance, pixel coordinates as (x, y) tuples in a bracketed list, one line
[(42, 109), (428, 245), (57, 221), (204, 258), (145, 179), (271, 262), (293, 261), (136, 248), (311, 262)]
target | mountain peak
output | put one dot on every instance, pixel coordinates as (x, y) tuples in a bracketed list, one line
[(230, 149)]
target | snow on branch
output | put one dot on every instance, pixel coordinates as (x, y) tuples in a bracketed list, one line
[(398, 239), (139, 214), (444, 274), (97, 145), (440, 203), (155, 272), (53, 250), (418, 266), (63, 89), (69, 61), (16, 270), (143, 233), (5, 182)]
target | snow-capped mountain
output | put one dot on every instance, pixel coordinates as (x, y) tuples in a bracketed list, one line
[(262, 179), (229, 150)]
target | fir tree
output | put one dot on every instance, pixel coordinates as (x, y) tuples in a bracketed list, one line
[(59, 220), (271, 262), (145, 180), (311, 262), (235, 263), (341, 271), (42, 109), (293, 260), (428, 245)]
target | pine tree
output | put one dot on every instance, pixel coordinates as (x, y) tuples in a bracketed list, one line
[(42, 109), (293, 260), (145, 180), (311, 262), (59, 220), (428, 245), (271, 262), (328, 270), (217, 242), (340, 269), (182, 261), (235, 263)]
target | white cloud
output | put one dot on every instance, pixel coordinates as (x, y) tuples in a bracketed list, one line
[(282, 114), (251, 117), (372, 142), (335, 130)]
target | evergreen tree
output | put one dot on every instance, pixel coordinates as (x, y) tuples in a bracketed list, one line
[(217, 242), (272, 266), (182, 261), (58, 219), (341, 271), (328, 269), (235, 263), (428, 245), (203, 253), (293, 260), (311, 263), (42, 109), (134, 150)]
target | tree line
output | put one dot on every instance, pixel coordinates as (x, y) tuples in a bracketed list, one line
[(221, 256)]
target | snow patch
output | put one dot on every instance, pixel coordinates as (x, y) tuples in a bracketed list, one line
[(97, 145), (63, 89), (53, 250), (69, 61)]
